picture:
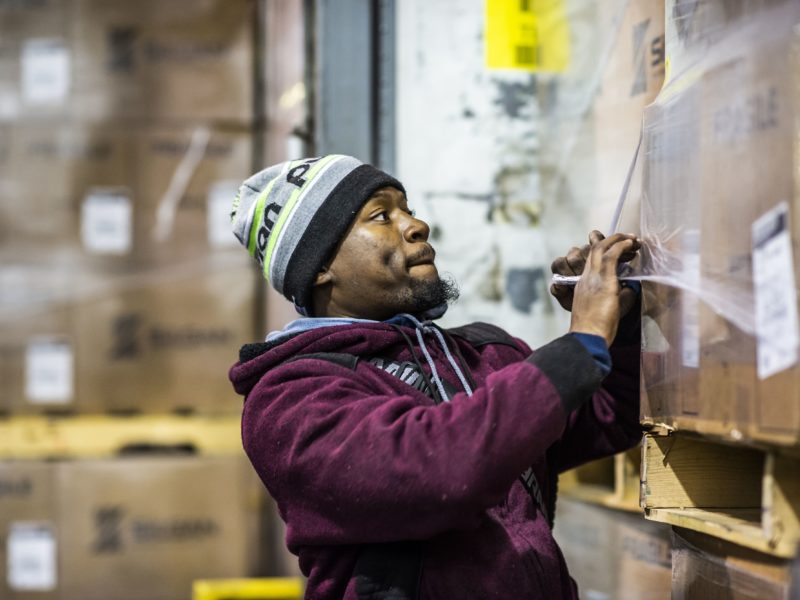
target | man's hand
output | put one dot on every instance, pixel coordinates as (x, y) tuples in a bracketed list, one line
[(573, 263), (598, 301)]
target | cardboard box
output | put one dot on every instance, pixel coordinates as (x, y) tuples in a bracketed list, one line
[(708, 568), (721, 154), (100, 60), (45, 173), (120, 196), (613, 554), (135, 528), (28, 531), (165, 344), (34, 57), (38, 372), (187, 178)]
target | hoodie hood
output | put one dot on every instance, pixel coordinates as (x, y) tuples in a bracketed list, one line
[(360, 339), (353, 345)]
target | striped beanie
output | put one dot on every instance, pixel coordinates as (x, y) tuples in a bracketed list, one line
[(292, 216)]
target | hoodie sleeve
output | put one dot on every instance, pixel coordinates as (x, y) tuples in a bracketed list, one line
[(609, 423), (353, 457)]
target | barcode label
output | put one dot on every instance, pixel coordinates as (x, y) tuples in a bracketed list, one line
[(45, 71), (775, 295), (527, 55), (49, 365), (107, 221), (31, 550), (218, 211), (690, 315)]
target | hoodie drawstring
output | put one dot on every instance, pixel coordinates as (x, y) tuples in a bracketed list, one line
[(425, 327)]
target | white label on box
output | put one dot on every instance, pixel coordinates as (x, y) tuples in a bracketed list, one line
[(220, 201), (45, 71), (774, 291), (107, 222), (31, 552), (690, 304), (49, 366)]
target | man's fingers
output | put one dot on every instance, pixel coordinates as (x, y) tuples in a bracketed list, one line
[(576, 260), (595, 237), (560, 291), (612, 255), (560, 266)]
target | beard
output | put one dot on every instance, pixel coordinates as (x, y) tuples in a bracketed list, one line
[(427, 295)]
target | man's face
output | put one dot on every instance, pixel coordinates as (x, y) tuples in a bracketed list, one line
[(383, 266)]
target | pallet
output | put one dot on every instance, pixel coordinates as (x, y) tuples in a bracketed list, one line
[(612, 482), (741, 494), (279, 588), (40, 437)]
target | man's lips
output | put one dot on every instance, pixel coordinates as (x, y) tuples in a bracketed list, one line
[(426, 256)]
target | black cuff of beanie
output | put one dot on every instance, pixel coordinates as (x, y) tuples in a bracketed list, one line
[(570, 368), (327, 229)]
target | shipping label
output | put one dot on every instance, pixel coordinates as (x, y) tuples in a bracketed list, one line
[(775, 293)]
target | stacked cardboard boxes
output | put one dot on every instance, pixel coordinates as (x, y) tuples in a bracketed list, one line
[(720, 182), (613, 554), (125, 130), (720, 328), (127, 528), (711, 569)]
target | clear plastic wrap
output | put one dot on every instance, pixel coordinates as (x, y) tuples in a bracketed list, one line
[(703, 567), (714, 185)]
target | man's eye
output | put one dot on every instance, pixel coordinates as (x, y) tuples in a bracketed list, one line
[(381, 216)]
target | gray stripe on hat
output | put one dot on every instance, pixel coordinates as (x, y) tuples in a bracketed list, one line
[(249, 192), (305, 209)]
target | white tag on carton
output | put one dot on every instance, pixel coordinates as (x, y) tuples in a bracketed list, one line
[(220, 201), (49, 365), (775, 295), (31, 552), (45, 71), (107, 221), (690, 304)]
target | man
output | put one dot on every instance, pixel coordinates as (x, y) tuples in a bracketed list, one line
[(410, 461)]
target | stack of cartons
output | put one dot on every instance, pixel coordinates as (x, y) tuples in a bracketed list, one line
[(127, 528), (125, 129), (613, 554), (720, 327), (720, 354), (711, 569)]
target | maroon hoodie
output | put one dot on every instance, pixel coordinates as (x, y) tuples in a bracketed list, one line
[(357, 458)]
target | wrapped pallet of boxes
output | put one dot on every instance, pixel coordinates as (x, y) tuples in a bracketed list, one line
[(711, 569), (613, 554), (127, 528), (718, 215)]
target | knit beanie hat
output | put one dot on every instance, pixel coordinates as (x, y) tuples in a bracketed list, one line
[(292, 216)]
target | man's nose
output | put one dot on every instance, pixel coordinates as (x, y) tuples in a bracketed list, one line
[(415, 230)]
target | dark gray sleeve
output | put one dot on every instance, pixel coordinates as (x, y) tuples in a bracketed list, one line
[(571, 370)]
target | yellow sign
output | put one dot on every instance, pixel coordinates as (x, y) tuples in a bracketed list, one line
[(527, 35)]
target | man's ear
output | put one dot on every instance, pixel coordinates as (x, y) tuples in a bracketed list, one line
[(324, 277)]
